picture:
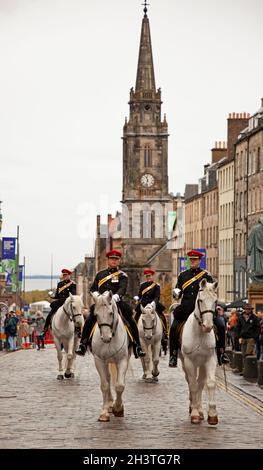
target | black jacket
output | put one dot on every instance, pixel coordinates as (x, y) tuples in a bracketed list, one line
[(151, 295), (117, 283), (64, 288), (248, 329), (189, 293)]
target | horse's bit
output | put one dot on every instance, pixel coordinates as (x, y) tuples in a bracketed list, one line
[(199, 320)]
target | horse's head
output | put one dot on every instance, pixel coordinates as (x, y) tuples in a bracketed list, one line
[(105, 306), (148, 320), (206, 304), (73, 306)]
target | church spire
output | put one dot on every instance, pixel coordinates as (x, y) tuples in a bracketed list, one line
[(145, 80)]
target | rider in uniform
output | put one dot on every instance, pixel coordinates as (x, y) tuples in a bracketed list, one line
[(64, 287), (187, 288), (150, 294), (114, 280)]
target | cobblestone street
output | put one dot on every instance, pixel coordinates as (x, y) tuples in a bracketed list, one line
[(38, 411)]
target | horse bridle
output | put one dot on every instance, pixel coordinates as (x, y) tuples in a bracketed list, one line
[(151, 327), (201, 313), (72, 315), (110, 325)]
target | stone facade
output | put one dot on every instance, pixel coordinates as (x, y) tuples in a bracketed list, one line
[(248, 193)]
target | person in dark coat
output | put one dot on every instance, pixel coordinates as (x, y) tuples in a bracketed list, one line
[(64, 287), (114, 280), (187, 288), (149, 293)]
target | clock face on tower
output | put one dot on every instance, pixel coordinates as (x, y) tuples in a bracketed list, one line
[(147, 180)]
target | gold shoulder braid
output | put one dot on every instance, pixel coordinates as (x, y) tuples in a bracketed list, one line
[(195, 278), (65, 286), (148, 288), (107, 278)]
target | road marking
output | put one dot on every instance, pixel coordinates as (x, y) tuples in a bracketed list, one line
[(240, 396)]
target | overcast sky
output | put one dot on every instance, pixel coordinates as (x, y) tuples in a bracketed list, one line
[(66, 70)]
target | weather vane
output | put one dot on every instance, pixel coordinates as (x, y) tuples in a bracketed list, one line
[(145, 4)]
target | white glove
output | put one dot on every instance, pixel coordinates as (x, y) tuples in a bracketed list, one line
[(176, 292), (153, 304), (51, 294), (116, 297), (136, 298)]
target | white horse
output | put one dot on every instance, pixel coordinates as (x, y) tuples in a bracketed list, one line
[(67, 324), (150, 332), (110, 347), (198, 353)]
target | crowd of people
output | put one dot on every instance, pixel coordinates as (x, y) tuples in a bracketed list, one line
[(22, 332)]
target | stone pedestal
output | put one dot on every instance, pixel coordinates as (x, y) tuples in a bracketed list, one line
[(255, 296)]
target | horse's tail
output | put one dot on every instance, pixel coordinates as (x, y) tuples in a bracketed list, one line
[(113, 373)]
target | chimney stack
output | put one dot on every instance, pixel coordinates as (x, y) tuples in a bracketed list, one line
[(218, 151), (236, 122)]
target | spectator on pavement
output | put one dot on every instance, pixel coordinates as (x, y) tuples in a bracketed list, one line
[(40, 322), (232, 329), (259, 344), (248, 330), (11, 329), (6, 320)]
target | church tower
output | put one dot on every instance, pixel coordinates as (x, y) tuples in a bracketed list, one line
[(145, 198)]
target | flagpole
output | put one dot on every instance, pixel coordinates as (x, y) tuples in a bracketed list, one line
[(51, 271), (17, 268)]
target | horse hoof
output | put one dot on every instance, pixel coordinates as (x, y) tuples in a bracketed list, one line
[(110, 409), (190, 410), (155, 374), (155, 379), (149, 380), (60, 377), (118, 413), (201, 414), (212, 420), (195, 419), (104, 418), (144, 377), (67, 375)]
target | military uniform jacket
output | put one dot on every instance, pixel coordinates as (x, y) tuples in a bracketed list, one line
[(149, 292), (110, 279), (64, 288), (188, 282)]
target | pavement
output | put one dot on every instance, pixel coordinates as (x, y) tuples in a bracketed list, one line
[(39, 412)]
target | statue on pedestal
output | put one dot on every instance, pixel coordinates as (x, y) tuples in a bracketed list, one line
[(255, 253)]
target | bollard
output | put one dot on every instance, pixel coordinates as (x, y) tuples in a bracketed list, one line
[(237, 361), (260, 373), (230, 354), (250, 368)]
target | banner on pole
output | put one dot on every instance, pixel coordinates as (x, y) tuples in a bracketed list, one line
[(9, 260)]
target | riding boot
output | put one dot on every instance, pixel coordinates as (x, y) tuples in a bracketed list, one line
[(47, 323), (174, 342), (220, 335), (85, 337), (164, 324), (138, 352), (173, 358)]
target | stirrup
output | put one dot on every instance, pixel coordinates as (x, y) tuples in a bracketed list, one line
[(139, 351), (224, 359), (82, 349)]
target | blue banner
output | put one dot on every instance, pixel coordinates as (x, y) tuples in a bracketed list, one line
[(8, 248)]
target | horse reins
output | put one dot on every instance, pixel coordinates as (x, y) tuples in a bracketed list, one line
[(151, 327), (72, 316), (110, 325), (199, 320)]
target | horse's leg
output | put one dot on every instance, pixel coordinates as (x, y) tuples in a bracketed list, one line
[(122, 366), (60, 357), (111, 382), (147, 362), (69, 348), (144, 348), (201, 384), (156, 347), (186, 378), (191, 372), (102, 369), (211, 388)]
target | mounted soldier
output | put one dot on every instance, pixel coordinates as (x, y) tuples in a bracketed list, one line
[(187, 288), (114, 280), (64, 287), (150, 294)]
